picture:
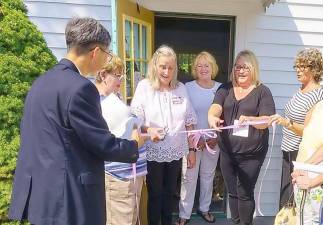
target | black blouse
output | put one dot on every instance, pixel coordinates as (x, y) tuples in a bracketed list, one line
[(259, 102)]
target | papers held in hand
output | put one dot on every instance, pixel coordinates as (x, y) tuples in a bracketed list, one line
[(308, 167), (118, 117)]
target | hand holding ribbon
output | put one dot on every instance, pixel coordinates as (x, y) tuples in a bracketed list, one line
[(196, 137), (278, 119), (212, 142), (259, 122)]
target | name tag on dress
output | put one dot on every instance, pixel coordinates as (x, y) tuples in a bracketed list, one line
[(177, 100), (242, 131)]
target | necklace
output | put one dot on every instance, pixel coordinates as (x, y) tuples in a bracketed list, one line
[(165, 109), (165, 97)]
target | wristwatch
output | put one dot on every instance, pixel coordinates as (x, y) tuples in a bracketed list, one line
[(192, 149)]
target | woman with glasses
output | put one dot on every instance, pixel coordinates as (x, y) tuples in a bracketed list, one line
[(122, 193), (308, 66), (201, 92), (244, 99), (161, 101)]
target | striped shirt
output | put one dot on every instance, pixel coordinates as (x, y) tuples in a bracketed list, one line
[(296, 110), (123, 171)]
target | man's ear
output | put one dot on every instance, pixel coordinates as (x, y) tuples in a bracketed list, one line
[(94, 52)]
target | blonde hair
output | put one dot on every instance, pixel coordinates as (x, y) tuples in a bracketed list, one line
[(210, 59), (162, 51), (252, 63), (115, 64), (313, 59)]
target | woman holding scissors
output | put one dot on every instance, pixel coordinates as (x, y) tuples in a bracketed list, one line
[(161, 101)]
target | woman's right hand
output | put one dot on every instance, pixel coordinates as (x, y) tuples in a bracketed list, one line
[(298, 173), (191, 159), (136, 136), (215, 122), (156, 133), (303, 182)]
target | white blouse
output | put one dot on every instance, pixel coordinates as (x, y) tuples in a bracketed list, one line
[(170, 110)]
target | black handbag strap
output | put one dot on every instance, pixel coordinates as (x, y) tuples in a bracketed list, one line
[(301, 210), (303, 199), (291, 197)]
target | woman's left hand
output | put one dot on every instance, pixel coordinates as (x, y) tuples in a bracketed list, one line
[(201, 144), (278, 119), (191, 159), (243, 119), (263, 119)]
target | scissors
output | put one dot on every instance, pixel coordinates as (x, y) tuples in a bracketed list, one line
[(163, 132)]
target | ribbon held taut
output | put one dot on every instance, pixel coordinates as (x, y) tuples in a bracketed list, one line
[(195, 135)]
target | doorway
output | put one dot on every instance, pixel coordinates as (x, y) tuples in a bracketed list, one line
[(188, 35), (191, 34)]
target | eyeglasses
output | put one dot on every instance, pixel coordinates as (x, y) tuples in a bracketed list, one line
[(118, 76), (109, 53), (239, 67), (300, 67)]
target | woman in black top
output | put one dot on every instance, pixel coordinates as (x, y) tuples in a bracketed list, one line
[(243, 99)]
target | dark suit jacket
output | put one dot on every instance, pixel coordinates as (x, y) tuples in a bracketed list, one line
[(59, 177)]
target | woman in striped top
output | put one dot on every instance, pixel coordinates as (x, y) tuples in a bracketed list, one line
[(309, 67)]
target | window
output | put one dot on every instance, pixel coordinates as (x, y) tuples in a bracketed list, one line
[(136, 51)]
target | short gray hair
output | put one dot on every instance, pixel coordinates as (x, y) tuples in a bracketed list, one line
[(83, 33)]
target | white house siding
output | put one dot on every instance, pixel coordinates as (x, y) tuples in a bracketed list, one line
[(275, 35), (51, 17)]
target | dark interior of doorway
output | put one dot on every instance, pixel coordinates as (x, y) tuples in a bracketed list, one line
[(188, 35)]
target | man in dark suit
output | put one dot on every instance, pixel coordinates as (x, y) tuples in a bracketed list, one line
[(59, 179)]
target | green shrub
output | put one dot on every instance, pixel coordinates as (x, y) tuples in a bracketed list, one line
[(23, 56)]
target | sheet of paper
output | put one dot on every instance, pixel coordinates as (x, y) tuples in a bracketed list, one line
[(118, 117), (241, 131), (308, 167)]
